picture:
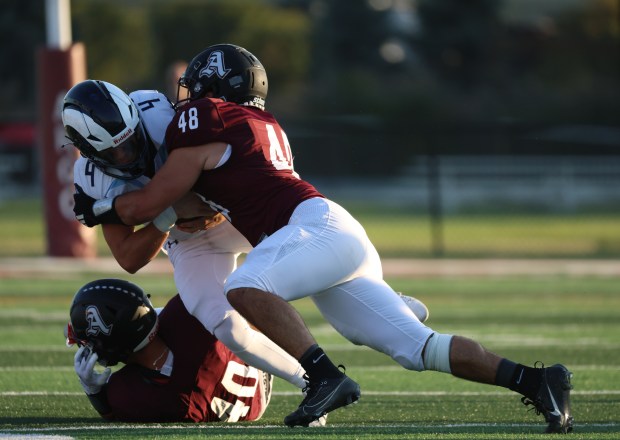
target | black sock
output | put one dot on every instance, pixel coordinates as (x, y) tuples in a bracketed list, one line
[(519, 378), (318, 365)]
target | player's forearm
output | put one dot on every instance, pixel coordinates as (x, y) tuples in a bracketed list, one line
[(134, 249), (169, 185), (99, 401), (137, 207)]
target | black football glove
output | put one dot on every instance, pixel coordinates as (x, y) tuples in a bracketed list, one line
[(83, 210)]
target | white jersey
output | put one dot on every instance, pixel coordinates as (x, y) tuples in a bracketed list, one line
[(203, 260), (156, 112)]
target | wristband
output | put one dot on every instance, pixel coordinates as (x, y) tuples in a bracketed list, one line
[(104, 211), (102, 206), (165, 221)]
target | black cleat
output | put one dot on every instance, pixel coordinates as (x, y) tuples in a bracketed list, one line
[(553, 399), (323, 397)]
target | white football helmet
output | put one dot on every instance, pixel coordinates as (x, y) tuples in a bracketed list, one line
[(104, 124)]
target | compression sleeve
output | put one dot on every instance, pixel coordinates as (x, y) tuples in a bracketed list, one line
[(99, 401)]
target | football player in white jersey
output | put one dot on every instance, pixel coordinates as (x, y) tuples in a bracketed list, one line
[(120, 139)]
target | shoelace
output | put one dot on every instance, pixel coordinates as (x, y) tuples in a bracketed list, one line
[(539, 408), (309, 385), (537, 404), (305, 389)]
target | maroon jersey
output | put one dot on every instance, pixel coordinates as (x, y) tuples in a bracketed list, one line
[(208, 382), (257, 188)]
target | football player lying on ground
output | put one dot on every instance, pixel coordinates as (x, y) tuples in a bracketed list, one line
[(176, 371)]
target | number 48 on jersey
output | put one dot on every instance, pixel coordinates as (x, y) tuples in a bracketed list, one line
[(276, 146)]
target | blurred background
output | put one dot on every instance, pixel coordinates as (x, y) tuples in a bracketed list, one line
[(451, 128)]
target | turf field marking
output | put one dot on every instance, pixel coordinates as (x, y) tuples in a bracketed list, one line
[(364, 393), (379, 368), (244, 426), (4, 436), (33, 436), (35, 348), (34, 369), (499, 341)]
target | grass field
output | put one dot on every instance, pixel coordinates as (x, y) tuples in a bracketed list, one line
[(403, 233), (568, 319), (573, 320)]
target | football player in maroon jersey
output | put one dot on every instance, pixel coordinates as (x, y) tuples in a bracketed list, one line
[(227, 148), (176, 371)]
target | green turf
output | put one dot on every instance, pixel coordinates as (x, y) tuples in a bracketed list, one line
[(402, 232), (549, 319)]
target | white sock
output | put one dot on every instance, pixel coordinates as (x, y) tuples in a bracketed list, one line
[(257, 350)]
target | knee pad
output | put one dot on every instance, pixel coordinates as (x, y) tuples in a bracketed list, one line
[(234, 332)]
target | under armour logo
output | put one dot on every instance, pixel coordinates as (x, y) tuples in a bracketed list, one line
[(96, 324), (215, 66)]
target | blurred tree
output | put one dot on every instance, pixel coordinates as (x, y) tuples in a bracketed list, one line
[(277, 36), (547, 69), (347, 66), (118, 41), (457, 37), (580, 66)]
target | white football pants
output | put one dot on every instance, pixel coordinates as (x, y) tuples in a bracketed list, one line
[(325, 253), (201, 265)]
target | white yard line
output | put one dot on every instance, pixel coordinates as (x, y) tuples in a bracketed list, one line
[(217, 426), (358, 368), (365, 393)]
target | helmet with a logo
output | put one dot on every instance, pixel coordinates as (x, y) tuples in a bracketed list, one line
[(228, 72), (113, 317), (103, 123)]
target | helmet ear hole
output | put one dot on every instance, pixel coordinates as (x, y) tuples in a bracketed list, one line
[(213, 91)]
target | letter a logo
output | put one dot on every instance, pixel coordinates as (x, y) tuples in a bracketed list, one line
[(215, 66), (95, 322)]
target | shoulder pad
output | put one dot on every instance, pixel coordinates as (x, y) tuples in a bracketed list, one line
[(156, 112)]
